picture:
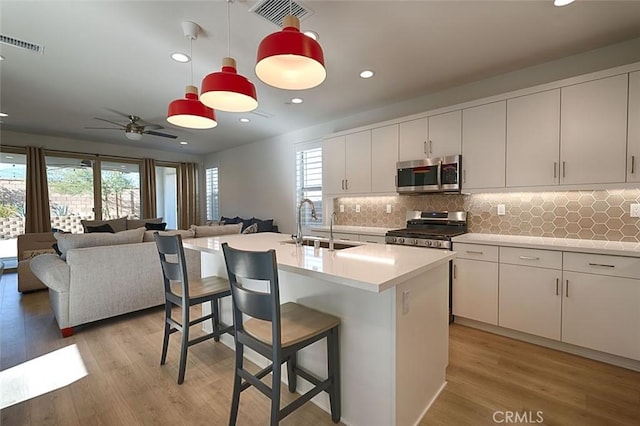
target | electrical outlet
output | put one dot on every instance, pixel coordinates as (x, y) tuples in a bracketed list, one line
[(357, 208), (635, 210), (501, 210), (388, 208), (341, 208), (405, 302)]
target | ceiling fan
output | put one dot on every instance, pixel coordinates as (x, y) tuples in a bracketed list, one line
[(135, 128)]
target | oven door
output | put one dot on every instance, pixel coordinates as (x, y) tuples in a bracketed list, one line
[(418, 176)]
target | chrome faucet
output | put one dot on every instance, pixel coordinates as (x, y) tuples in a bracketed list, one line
[(298, 236), (333, 215)]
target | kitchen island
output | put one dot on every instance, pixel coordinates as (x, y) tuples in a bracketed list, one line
[(393, 305)]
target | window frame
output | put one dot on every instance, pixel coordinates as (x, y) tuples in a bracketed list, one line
[(300, 191)]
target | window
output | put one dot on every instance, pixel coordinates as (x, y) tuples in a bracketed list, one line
[(309, 179), (167, 195), (13, 175), (120, 190), (213, 206)]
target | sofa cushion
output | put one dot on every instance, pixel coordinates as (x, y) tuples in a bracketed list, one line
[(117, 225), (251, 229), (215, 230), (67, 242), (100, 228), (184, 233), (139, 223), (155, 226)]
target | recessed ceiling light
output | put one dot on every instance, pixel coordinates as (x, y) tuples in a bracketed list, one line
[(296, 101), (562, 2), (367, 74), (244, 120), (184, 143), (312, 34), (3, 114), (180, 57)]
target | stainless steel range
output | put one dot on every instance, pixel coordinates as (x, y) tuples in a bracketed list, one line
[(429, 229)]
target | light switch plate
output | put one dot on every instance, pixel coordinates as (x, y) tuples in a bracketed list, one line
[(635, 210), (501, 209), (388, 208), (357, 208), (341, 208), (405, 302)]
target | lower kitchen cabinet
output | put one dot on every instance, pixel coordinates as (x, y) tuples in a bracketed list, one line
[(530, 300), (475, 289)]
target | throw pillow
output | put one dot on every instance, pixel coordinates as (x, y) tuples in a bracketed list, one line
[(57, 250), (263, 225), (140, 223), (117, 225), (213, 231), (67, 242), (155, 226), (229, 220), (101, 228), (251, 229)]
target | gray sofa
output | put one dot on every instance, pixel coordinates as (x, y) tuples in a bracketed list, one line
[(104, 275)]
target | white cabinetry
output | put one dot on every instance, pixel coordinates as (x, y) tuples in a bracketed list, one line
[(475, 282), (483, 146), (593, 131), (533, 139), (530, 295), (601, 307), (346, 164), (445, 134), (384, 156), (413, 140), (633, 156)]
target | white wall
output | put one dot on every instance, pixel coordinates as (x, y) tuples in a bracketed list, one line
[(259, 179)]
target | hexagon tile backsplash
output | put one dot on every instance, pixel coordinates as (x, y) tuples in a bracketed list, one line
[(592, 215)]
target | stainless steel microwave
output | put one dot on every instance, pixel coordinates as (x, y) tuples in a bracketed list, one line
[(429, 175)]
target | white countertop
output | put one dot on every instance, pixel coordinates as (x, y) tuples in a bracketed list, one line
[(617, 248), (365, 230), (372, 267)]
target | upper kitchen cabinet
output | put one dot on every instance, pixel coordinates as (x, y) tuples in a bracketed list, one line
[(384, 156), (346, 164), (413, 140), (593, 131), (633, 157), (483, 146), (533, 139), (445, 134)]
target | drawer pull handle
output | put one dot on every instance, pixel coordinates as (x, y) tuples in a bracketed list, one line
[(555, 169), (602, 265), (557, 286), (474, 252), (529, 258)]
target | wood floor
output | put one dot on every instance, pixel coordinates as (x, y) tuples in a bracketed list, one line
[(489, 378)]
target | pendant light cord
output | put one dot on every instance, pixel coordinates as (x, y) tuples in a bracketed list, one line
[(228, 29), (191, 53)]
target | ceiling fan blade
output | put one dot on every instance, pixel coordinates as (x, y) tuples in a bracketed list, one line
[(109, 121), (128, 116), (102, 128), (150, 126), (164, 135)]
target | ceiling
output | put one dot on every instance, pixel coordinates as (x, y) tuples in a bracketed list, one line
[(105, 56)]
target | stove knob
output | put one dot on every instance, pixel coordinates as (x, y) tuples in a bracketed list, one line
[(400, 240), (391, 240), (414, 242)]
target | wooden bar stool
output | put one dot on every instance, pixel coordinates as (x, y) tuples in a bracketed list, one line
[(277, 332), (181, 291)]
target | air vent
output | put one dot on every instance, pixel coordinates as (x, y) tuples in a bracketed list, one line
[(275, 10), (262, 114), (11, 41)]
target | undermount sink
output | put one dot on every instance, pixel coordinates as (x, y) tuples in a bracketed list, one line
[(324, 243)]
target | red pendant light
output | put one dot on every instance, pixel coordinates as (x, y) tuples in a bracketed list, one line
[(227, 90), (290, 60), (190, 112)]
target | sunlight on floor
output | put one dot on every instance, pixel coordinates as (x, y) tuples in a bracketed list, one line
[(41, 375)]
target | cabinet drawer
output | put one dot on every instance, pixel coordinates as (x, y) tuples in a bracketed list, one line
[(476, 251), (344, 236), (616, 266), (372, 238), (531, 257)]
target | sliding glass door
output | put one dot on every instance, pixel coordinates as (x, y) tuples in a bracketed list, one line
[(71, 192), (13, 175), (167, 194), (120, 190)]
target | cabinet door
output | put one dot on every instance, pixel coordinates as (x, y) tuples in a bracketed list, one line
[(475, 290), (602, 313), (483, 146), (333, 165), (593, 131), (413, 140), (533, 139), (530, 300), (445, 134), (358, 162), (384, 156), (633, 156)]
